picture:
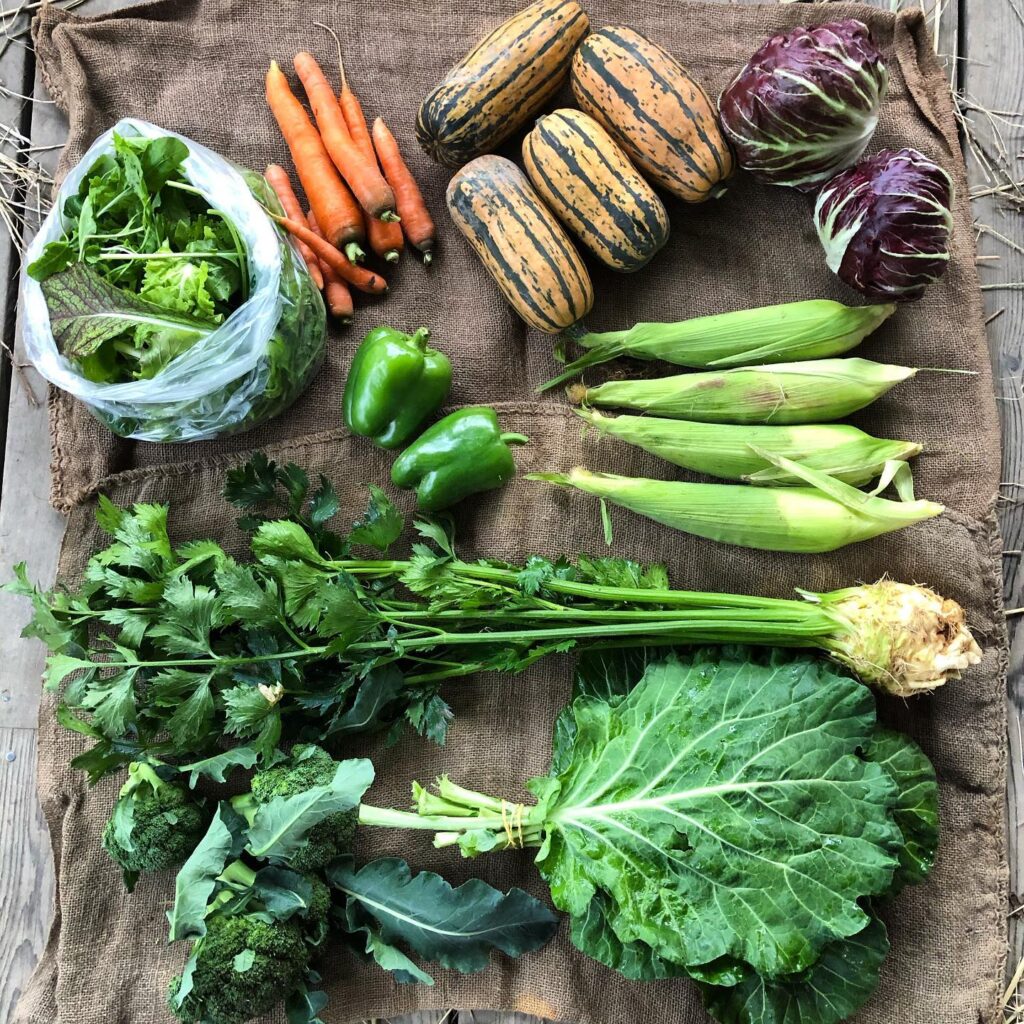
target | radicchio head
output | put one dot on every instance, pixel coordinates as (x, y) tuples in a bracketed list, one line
[(806, 104), (886, 224)]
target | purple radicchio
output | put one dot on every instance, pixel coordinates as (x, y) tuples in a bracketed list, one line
[(886, 224), (806, 104)]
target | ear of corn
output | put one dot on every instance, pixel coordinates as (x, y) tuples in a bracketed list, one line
[(823, 516), (811, 329), (807, 392), (844, 452)]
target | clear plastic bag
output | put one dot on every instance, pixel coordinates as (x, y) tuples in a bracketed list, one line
[(252, 367)]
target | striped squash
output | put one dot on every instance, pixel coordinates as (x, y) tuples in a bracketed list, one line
[(659, 115), (589, 182), (502, 83), (520, 243)]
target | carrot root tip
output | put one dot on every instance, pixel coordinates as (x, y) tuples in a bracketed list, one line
[(428, 258), (391, 256)]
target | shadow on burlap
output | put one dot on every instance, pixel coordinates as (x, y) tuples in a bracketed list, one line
[(198, 69)]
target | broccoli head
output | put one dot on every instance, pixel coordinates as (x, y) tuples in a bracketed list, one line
[(244, 966), (308, 766), (154, 824)]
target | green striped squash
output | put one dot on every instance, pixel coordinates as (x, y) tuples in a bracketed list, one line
[(659, 115), (520, 243), (502, 83), (595, 191)]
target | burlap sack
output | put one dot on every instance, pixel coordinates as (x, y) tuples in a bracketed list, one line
[(198, 69)]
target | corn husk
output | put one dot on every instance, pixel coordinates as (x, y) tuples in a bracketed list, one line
[(788, 393), (728, 452), (811, 329), (824, 515)]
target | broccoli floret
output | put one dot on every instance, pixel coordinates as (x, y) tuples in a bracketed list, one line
[(308, 766), (247, 961), (154, 824), (223, 993)]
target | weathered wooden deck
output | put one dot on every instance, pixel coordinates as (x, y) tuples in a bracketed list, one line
[(983, 48)]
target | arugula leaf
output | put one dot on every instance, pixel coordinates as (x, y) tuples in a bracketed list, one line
[(457, 928)]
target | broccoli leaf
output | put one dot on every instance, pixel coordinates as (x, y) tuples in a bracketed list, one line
[(723, 806), (831, 990), (281, 825), (218, 766), (456, 928), (303, 1006), (197, 877), (384, 954)]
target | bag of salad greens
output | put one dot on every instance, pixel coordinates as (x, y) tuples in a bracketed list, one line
[(160, 293)]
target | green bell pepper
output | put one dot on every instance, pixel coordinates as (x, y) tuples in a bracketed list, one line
[(463, 454), (395, 382)]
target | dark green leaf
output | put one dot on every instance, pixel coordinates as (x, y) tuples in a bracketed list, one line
[(456, 928), (831, 990), (370, 708), (636, 961), (381, 523), (303, 1006), (197, 877), (323, 503), (218, 766), (281, 825), (917, 805), (723, 804)]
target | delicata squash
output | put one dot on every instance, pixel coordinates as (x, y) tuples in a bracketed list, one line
[(659, 115), (583, 175), (502, 83), (523, 247)]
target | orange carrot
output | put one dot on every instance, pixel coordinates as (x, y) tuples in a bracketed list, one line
[(363, 279), (417, 223), (385, 236), (277, 176), (331, 200), (336, 292), (364, 177)]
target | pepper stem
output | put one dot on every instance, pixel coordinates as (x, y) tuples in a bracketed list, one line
[(420, 337), (515, 439)]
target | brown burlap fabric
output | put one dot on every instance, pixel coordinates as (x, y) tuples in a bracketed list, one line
[(198, 68)]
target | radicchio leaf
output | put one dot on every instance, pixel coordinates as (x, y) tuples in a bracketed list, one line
[(886, 224), (806, 104)]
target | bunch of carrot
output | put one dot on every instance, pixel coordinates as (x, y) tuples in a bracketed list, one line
[(359, 188)]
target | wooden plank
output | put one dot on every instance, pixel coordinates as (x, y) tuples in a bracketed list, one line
[(994, 41), (26, 877)]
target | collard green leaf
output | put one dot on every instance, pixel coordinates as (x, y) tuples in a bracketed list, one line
[(592, 934), (831, 990), (456, 928), (723, 806), (611, 674), (281, 826), (197, 877), (917, 805)]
